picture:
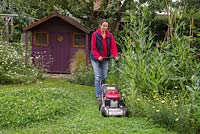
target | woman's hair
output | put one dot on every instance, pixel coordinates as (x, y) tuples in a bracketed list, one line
[(103, 20)]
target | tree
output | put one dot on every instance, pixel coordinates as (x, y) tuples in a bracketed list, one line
[(113, 10)]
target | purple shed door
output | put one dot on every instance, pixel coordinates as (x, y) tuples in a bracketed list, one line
[(60, 44)]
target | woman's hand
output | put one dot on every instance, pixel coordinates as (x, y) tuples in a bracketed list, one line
[(116, 58), (100, 58)]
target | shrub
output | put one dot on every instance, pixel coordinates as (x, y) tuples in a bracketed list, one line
[(13, 68), (77, 60), (81, 74), (154, 72), (170, 111), (113, 75)]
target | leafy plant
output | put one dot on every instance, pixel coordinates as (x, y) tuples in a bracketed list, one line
[(155, 72), (113, 75), (13, 68), (77, 60), (83, 76)]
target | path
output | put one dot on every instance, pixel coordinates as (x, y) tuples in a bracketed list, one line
[(51, 75)]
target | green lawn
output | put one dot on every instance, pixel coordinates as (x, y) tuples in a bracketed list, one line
[(79, 115)]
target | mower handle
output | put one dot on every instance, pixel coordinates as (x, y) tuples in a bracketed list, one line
[(108, 57), (119, 55)]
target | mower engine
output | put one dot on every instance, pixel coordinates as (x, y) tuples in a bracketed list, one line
[(112, 103)]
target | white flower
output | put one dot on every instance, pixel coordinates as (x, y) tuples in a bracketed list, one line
[(157, 110), (162, 101), (176, 119)]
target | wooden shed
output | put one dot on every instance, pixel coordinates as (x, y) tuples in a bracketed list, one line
[(54, 41)]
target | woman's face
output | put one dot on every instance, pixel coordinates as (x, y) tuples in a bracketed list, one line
[(104, 26)]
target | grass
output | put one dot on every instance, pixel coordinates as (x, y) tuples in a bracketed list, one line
[(85, 120)]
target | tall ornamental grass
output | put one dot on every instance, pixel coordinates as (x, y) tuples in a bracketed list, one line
[(81, 74), (161, 83), (13, 68)]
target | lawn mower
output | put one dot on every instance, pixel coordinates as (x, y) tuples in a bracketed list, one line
[(111, 103)]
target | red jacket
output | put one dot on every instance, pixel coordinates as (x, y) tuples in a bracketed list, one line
[(104, 54)]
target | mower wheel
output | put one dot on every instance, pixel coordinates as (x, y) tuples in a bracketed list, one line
[(100, 103), (103, 111), (126, 112)]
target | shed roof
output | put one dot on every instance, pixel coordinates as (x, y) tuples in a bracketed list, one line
[(64, 18)]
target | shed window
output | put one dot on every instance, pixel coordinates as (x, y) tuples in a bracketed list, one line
[(41, 38), (79, 40)]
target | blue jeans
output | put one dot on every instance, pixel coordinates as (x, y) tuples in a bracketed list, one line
[(100, 72)]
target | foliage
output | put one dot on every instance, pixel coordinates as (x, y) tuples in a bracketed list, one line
[(81, 10), (113, 75), (159, 27), (112, 10), (190, 5), (77, 60), (15, 29), (194, 90), (154, 70), (83, 76), (171, 111), (175, 61), (13, 68)]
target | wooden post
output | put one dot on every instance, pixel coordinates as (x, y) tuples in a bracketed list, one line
[(87, 51), (8, 20), (26, 46), (7, 29), (11, 26)]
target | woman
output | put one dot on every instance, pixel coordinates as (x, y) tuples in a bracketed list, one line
[(103, 45)]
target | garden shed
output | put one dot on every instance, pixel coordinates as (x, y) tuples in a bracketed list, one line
[(54, 41)]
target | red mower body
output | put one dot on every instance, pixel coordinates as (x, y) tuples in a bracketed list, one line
[(113, 94)]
